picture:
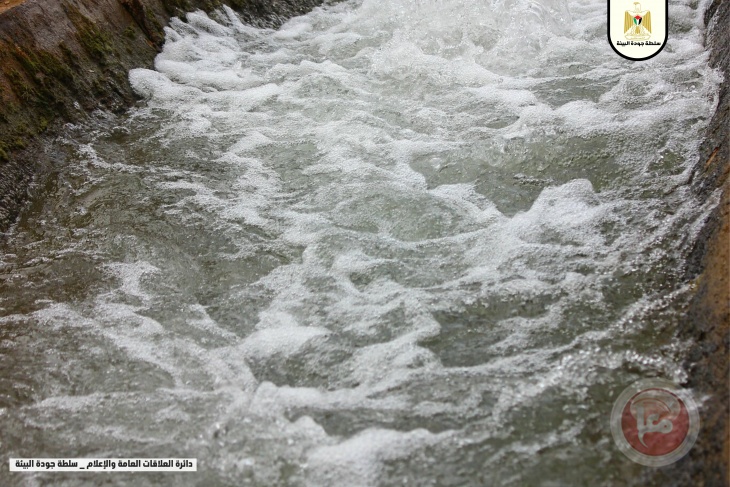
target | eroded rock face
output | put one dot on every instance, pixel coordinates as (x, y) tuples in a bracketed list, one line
[(709, 315), (60, 59), (707, 320)]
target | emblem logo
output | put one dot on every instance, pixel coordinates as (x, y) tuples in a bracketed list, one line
[(637, 31), (654, 423)]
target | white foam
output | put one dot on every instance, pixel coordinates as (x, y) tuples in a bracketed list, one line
[(384, 220), (358, 460)]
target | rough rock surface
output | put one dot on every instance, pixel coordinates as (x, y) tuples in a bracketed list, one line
[(707, 320)]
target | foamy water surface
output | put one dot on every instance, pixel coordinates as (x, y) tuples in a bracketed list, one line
[(401, 242)]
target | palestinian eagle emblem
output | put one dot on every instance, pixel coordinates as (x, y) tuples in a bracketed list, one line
[(637, 23)]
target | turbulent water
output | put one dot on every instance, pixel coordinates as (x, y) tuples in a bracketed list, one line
[(401, 242)]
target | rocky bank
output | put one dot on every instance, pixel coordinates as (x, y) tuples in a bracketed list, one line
[(707, 320)]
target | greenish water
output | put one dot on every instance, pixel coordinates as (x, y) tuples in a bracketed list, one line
[(392, 243)]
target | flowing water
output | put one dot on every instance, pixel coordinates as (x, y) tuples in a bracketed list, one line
[(401, 242)]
